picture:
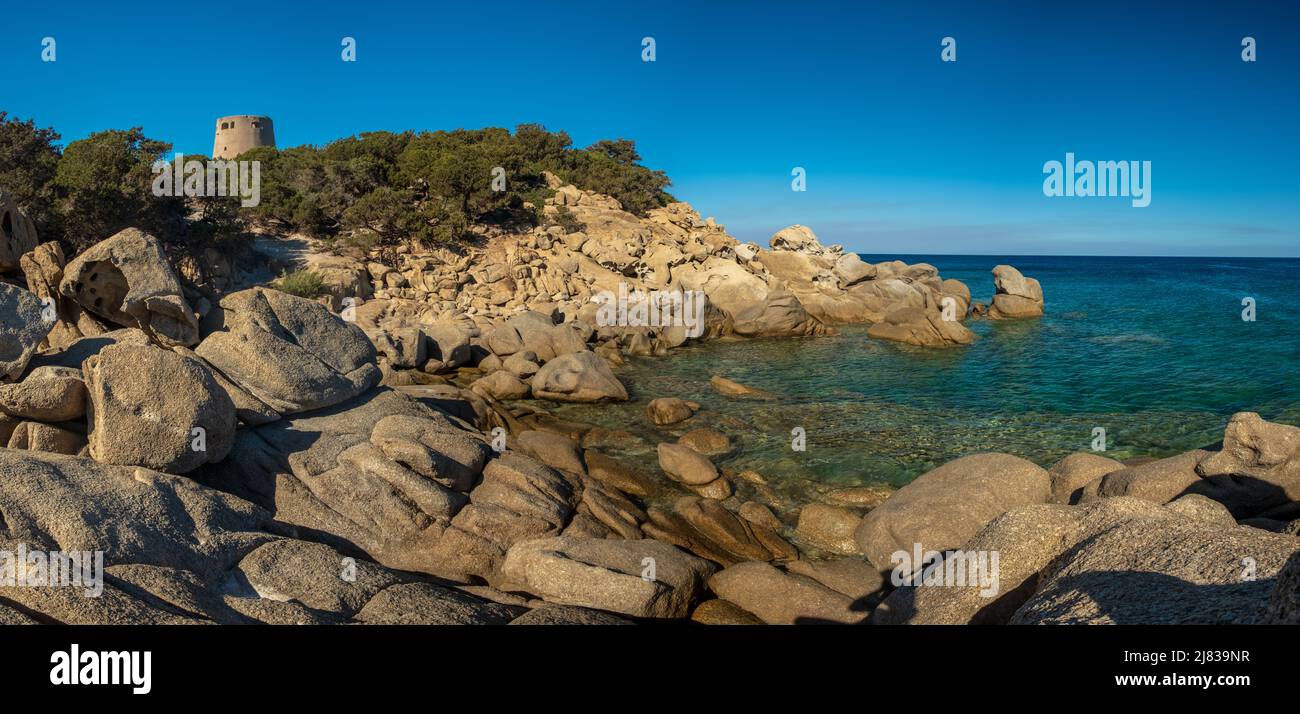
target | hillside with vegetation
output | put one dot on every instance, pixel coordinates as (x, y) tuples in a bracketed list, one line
[(376, 188)]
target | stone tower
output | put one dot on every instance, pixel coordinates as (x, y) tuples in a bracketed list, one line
[(239, 133)]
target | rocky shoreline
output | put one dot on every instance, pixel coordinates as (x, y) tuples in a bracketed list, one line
[(243, 455)]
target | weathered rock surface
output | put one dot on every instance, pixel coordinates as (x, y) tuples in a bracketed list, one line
[(641, 578), (922, 327), (17, 234), (1182, 571), (829, 528), (1015, 295), (46, 394), (577, 377), (288, 352), (154, 408), (943, 508), (670, 410), (685, 465), (780, 598), (127, 280), (1072, 473)]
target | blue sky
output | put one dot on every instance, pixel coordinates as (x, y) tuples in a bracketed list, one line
[(904, 153)]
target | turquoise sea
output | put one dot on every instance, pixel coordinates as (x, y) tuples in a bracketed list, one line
[(1153, 350)]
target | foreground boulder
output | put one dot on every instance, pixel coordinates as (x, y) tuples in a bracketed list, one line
[(640, 578), (171, 551), (292, 354), (577, 377), (382, 475), (127, 280), (778, 597), (154, 408), (135, 516), (1184, 571), (966, 590), (943, 508)]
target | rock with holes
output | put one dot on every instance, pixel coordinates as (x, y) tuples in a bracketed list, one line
[(291, 353), (127, 280), (24, 322)]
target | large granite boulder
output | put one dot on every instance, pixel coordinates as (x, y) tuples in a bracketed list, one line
[(1176, 571), (1254, 473), (382, 475), (577, 377), (778, 597), (127, 280), (943, 508), (1025, 540), (154, 408), (922, 327), (641, 578), (17, 233), (291, 353), (1014, 294)]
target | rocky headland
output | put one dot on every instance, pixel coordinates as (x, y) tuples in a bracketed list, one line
[(384, 453)]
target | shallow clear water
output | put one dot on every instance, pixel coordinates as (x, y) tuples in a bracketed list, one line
[(1153, 350)]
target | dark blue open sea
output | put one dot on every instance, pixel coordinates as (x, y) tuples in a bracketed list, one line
[(1153, 350)]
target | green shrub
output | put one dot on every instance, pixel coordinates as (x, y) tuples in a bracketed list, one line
[(565, 219), (303, 283)]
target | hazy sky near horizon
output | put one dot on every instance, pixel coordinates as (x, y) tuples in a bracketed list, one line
[(904, 153)]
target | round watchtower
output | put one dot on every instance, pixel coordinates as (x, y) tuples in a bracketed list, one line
[(239, 133)]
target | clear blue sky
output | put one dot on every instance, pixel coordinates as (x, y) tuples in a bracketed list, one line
[(904, 153)]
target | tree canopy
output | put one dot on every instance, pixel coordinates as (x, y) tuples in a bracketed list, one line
[(431, 187)]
